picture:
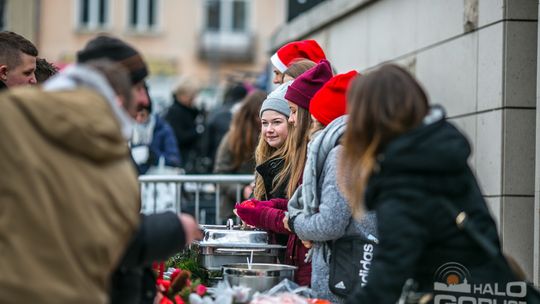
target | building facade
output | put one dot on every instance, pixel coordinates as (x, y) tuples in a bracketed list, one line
[(209, 40)]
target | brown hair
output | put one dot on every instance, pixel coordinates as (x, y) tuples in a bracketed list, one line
[(297, 143), (298, 67), (11, 45), (245, 128), (44, 70), (382, 105)]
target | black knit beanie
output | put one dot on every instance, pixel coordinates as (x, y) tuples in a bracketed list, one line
[(116, 50)]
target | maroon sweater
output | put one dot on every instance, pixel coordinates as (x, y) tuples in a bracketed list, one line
[(271, 219)]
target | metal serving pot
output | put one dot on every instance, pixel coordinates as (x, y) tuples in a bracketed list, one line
[(260, 277), (230, 244)]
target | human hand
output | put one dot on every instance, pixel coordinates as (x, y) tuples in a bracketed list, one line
[(248, 190), (244, 225), (286, 223), (256, 203), (191, 228), (307, 244), (249, 213)]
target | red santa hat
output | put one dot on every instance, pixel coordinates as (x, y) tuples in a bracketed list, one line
[(330, 101), (305, 49)]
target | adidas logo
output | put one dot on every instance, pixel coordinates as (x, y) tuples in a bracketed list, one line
[(340, 285)]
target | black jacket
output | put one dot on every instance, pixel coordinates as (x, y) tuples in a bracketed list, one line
[(183, 121), (417, 234), (217, 125), (158, 238), (268, 171)]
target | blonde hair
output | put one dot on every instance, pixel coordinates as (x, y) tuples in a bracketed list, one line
[(296, 140), (382, 105), (264, 152), (186, 86), (297, 145)]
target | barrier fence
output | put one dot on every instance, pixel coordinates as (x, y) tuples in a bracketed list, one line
[(193, 193)]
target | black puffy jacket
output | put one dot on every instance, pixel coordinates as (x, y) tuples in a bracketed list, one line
[(417, 234)]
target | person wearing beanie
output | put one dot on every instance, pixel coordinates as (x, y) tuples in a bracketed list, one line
[(159, 235), (319, 213), (304, 87), (330, 101), (116, 50), (292, 51), (275, 184)]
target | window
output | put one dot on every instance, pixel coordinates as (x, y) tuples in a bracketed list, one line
[(143, 15), (2, 15), (226, 15), (93, 14)]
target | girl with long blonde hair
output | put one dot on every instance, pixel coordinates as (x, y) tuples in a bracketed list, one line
[(270, 215)]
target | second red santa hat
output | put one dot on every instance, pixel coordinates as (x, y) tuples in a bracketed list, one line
[(304, 49), (330, 101)]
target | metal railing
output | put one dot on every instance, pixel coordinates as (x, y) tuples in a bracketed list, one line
[(175, 192)]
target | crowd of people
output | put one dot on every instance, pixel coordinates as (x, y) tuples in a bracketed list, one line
[(335, 155)]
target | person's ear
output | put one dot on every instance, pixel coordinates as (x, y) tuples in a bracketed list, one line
[(3, 72)]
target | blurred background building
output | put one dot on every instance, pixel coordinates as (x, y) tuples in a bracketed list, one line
[(210, 40)]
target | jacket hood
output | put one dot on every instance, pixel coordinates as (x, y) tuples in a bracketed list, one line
[(79, 121), (432, 156)]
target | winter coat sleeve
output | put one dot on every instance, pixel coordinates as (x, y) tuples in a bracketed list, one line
[(170, 147), (334, 213), (164, 144), (403, 235), (158, 238), (263, 217)]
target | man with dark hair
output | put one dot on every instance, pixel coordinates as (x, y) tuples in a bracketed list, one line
[(159, 235), (17, 60), (44, 70)]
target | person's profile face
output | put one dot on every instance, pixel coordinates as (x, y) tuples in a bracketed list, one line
[(139, 99), (294, 112), (22, 74), (278, 77)]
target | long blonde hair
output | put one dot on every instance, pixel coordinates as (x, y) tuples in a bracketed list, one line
[(382, 105), (288, 151), (264, 152), (297, 146)]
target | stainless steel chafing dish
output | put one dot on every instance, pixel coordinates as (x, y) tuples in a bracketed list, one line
[(229, 244)]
